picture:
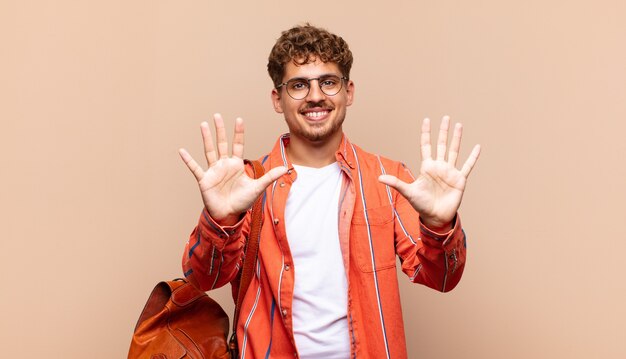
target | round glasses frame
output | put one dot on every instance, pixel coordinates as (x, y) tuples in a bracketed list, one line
[(301, 94)]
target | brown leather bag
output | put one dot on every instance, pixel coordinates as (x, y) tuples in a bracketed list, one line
[(180, 321)]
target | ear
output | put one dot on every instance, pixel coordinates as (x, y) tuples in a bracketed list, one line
[(276, 101), (350, 92)]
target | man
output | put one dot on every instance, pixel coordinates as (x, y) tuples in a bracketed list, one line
[(335, 217)]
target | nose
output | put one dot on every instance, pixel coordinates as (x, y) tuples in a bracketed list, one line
[(315, 92)]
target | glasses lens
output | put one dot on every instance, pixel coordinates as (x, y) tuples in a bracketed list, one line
[(298, 88), (330, 85)]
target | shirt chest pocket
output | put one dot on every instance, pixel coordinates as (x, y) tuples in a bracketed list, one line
[(372, 239)]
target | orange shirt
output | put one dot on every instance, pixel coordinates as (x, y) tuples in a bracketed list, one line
[(376, 224)]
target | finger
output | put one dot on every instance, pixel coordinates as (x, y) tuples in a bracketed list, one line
[(425, 140), (471, 161), (455, 145), (238, 139), (395, 182), (269, 177), (220, 135), (197, 171), (209, 149), (442, 140)]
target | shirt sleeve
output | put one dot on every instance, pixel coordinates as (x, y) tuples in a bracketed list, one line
[(213, 254), (434, 259)]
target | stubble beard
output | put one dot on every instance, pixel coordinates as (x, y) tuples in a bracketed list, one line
[(320, 133)]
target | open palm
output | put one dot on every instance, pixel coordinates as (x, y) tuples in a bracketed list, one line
[(437, 192), (227, 191)]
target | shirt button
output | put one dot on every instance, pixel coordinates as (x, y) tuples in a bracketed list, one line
[(287, 267), (284, 312), (276, 220), (282, 184)]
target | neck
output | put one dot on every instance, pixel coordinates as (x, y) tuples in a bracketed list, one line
[(313, 154)]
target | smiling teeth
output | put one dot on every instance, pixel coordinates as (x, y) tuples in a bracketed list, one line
[(317, 114)]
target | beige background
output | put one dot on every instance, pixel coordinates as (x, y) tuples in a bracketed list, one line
[(95, 205)]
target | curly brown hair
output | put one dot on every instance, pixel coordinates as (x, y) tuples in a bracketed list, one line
[(302, 45)]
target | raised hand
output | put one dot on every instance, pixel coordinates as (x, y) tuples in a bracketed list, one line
[(437, 192), (227, 191)]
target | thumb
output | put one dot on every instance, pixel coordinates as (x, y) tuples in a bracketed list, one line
[(270, 176), (394, 182)]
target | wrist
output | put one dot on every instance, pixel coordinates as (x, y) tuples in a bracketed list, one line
[(436, 226), (228, 220)]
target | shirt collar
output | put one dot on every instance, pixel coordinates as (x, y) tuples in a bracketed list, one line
[(278, 155)]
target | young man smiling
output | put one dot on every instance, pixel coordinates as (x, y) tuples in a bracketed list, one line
[(335, 217), (313, 117)]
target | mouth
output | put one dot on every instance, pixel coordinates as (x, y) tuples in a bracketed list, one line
[(316, 114)]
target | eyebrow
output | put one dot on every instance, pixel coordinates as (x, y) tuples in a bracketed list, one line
[(308, 78)]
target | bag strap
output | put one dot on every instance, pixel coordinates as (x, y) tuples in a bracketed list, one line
[(250, 258)]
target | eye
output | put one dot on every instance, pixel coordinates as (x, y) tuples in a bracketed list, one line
[(298, 85), (329, 82)]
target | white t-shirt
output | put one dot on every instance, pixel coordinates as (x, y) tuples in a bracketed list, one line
[(320, 298)]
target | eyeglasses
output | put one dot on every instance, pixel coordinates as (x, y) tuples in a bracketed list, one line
[(298, 88)]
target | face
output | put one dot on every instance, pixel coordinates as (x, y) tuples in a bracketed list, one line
[(317, 118)]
